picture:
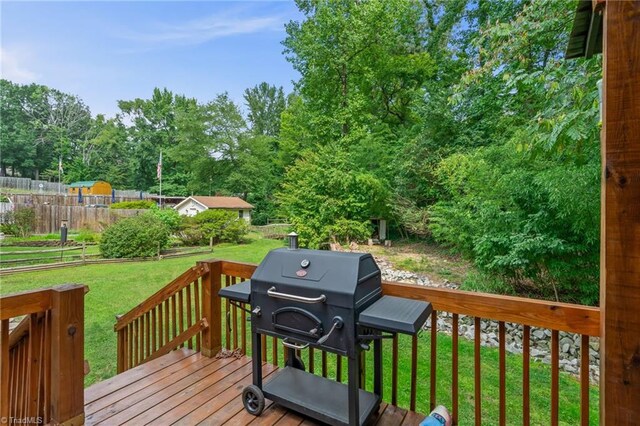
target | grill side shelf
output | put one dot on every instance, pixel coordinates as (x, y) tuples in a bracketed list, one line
[(240, 292), (396, 315)]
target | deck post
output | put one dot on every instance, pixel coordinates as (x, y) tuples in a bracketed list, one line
[(67, 355), (211, 307), (620, 228)]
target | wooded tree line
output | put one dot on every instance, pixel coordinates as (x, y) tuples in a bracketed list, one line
[(458, 120)]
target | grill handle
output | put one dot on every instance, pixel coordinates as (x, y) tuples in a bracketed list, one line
[(293, 345), (273, 293)]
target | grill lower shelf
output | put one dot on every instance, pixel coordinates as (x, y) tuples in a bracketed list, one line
[(317, 397)]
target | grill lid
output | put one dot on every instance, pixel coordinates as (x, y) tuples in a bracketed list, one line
[(346, 278)]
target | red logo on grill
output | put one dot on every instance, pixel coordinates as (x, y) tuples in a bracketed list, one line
[(301, 273)]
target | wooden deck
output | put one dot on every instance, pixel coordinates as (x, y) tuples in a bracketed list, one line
[(186, 388)]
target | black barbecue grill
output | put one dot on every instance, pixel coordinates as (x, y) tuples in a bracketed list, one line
[(329, 301)]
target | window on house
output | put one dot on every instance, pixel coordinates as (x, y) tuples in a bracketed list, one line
[(240, 214)]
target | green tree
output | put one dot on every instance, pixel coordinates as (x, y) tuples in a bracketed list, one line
[(324, 188), (265, 104)]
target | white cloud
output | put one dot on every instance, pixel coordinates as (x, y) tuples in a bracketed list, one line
[(13, 66), (205, 29)]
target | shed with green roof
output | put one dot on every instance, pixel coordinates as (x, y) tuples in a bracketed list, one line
[(90, 187)]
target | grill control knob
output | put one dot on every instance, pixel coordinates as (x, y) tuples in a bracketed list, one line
[(305, 263)]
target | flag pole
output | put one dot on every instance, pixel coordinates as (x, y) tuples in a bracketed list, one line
[(160, 176), (60, 175)]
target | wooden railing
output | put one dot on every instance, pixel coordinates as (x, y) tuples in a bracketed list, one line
[(176, 316), (408, 383), (411, 385), (42, 358)]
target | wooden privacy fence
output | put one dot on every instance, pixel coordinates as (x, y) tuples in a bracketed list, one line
[(42, 359), (141, 335), (49, 217), (67, 200)]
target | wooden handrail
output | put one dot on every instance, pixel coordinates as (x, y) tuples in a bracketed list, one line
[(538, 313), (161, 295), (24, 303)]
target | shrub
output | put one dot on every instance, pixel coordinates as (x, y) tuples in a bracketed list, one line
[(190, 234), (21, 222), (170, 217), (139, 236), (131, 205), (345, 231), (221, 225)]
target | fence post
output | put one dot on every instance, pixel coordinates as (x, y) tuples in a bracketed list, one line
[(211, 308), (67, 355)]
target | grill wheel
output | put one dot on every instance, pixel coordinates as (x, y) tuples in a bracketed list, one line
[(253, 400)]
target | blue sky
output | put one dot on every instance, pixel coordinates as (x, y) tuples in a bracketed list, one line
[(106, 51)]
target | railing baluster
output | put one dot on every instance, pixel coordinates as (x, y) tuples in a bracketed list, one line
[(174, 313), (555, 365), (311, 361), (227, 281), (189, 315), (41, 370), (274, 351), (160, 324), (414, 371), (477, 378), (47, 368), (526, 334), (4, 369), (134, 336), (432, 366), (394, 370), (503, 381), (584, 380), (167, 321), (363, 370), (324, 364), (243, 321), (263, 342), (181, 313), (454, 369), (234, 315), (154, 329), (130, 355), (147, 317), (338, 368), (196, 301)]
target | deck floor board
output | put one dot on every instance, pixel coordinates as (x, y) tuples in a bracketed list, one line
[(185, 388)]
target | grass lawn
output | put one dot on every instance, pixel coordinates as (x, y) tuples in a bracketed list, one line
[(116, 288)]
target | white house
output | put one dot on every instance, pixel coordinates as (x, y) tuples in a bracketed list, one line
[(193, 205)]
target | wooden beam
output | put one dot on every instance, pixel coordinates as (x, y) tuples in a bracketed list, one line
[(67, 355), (620, 231), (211, 307)]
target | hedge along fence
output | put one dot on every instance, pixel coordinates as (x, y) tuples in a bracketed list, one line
[(49, 217)]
